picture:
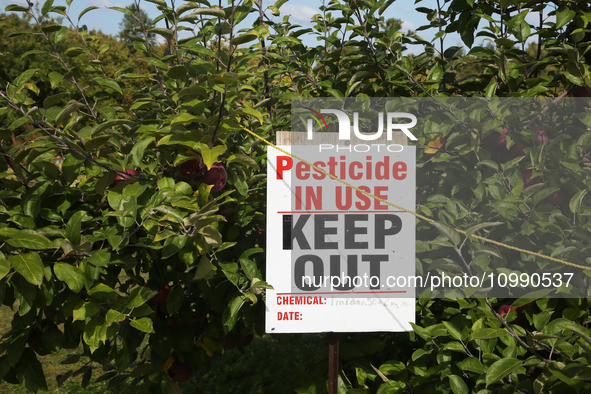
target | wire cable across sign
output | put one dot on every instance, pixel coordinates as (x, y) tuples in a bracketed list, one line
[(418, 215)]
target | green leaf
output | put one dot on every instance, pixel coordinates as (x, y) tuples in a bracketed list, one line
[(29, 265), (252, 112), (203, 268), (177, 72), (335, 93), (182, 118), (74, 226), (88, 9), (576, 201), (457, 384), (248, 266), (137, 152), (488, 333), (33, 52), (175, 300), (471, 364), (161, 3), (501, 368), (155, 62), (87, 309), (230, 315), (114, 316), (55, 78), (135, 190), (52, 100), (184, 8), (67, 111), (71, 359), (200, 50), (110, 124), (243, 159), (51, 28), (25, 77), (225, 79), (108, 82), (86, 377), (75, 51), (291, 40), (244, 38), (577, 80), (453, 330), (218, 12), (138, 297), (452, 235), (391, 387), (18, 33), (212, 236), (563, 16), (210, 156), (144, 324), (18, 123), (124, 10), (29, 372), (436, 73), (490, 89), (16, 8), (166, 33), (4, 267), (73, 277), (92, 332), (61, 34), (32, 87), (102, 293), (480, 226)]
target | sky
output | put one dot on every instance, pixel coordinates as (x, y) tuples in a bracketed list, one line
[(301, 12)]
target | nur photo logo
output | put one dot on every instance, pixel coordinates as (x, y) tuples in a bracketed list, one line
[(345, 127)]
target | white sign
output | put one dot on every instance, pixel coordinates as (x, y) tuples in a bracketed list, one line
[(340, 261)]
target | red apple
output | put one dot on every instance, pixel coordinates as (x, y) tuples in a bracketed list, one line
[(121, 177), (174, 321), (191, 167), (230, 340), (48, 313), (496, 140), (216, 176), (541, 136), (244, 340), (581, 91), (555, 198), (161, 297), (162, 310), (528, 180), (506, 308), (582, 95), (180, 372), (517, 149), (520, 318)]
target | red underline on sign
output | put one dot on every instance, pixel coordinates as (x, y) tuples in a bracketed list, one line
[(337, 211), (357, 292)]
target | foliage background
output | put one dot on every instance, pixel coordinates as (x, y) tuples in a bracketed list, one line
[(85, 259)]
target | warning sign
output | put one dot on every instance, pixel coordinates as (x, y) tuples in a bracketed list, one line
[(340, 260)]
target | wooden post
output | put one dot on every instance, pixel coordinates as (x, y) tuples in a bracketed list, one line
[(333, 363)]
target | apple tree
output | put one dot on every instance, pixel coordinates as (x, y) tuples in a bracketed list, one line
[(134, 225), (134, 231)]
